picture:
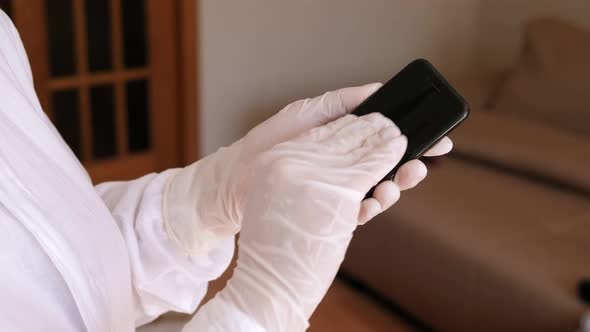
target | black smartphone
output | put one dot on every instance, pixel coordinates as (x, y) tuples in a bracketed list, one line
[(422, 104)]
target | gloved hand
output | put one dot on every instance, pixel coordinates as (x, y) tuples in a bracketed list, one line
[(304, 205), (203, 203)]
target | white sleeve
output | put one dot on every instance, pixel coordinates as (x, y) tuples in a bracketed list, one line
[(164, 277)]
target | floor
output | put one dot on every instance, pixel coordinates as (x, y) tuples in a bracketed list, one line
[(343, 309)]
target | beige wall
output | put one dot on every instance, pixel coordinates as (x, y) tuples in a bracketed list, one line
[(258, 55)]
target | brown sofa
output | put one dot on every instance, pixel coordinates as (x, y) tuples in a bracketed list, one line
[(498, 236), (478, 249)]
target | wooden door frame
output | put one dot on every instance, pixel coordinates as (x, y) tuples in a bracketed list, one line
[(185, 45), (188, 85), (184, 59), (189, 90)]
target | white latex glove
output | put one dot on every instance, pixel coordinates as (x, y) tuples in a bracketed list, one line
[(304, 204), (406, 177), (585, 322), (204, 202)]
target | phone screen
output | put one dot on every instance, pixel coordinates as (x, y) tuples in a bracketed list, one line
[(421, 103)]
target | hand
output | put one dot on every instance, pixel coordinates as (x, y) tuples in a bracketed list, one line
[(407, 177), (204, 202), (303, 208)]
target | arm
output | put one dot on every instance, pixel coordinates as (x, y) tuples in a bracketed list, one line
[(164, 278)]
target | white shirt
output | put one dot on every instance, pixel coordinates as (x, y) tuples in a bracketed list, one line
[(75, 257)]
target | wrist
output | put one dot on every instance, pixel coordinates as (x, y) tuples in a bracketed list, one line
[(271, 307), (195, 204)]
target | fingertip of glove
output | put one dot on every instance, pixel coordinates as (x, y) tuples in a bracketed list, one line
[(369, 208), (372, 87), (444, 146), (410, 174), (387, 193), (390, 132), (397, 144), (351, 98)]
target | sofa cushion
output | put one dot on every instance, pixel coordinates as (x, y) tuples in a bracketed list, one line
[(550, 82)]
